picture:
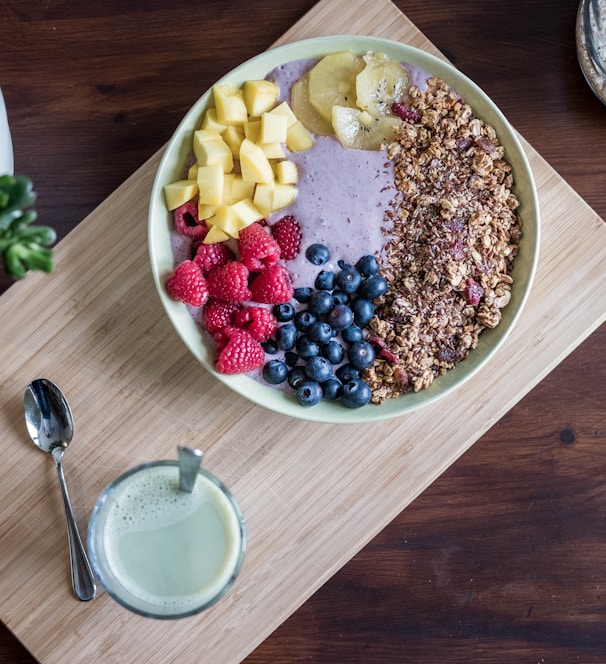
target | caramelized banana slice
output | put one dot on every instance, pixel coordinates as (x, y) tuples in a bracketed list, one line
[(359, 129), (333, 82), (381, 83), (307, 113)]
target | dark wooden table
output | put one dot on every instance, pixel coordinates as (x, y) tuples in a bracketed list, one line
[(503, 559)]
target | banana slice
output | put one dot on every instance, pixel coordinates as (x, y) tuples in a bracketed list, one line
[(381, 83), (333, 82), (361, 130), (303, 109)]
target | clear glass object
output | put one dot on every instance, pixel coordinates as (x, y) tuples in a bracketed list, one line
[(162, 552), (591, 44)]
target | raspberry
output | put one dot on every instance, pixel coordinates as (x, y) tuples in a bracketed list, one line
[(258, 321), (257, 248), (473, 292), (287, 234), (209, 256), (187, 284), (238, 352), (187, 222), (404, 112), (272, 286), (218, 315), (229, 282)]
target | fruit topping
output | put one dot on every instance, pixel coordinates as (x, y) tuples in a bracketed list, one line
[(258, 321), (287, 234), (187, 222), (317, 254), (218, 315), (360, 130), (258, 249), (210, 256), (473, 292), (380, 84), (188, 285), (229, 282), (238, 352), (272, 286)]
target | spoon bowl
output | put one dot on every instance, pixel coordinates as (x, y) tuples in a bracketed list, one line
[(50, 425)]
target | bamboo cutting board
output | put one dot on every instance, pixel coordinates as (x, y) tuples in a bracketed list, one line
[(312, 494)]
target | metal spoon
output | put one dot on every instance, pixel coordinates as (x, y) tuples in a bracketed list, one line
[(50, 425)]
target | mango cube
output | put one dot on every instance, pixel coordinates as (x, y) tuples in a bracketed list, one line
[(241, 188), (272, 150), (233, 137), (225, 219), (205, 211), (229, 102), (254, 164), (252, 128), (247, 212), (179, 192), (286, 172), (298, 138), (210, 121), (192, 173), (260, 96), (210, 184), (214, 235), (285, 110), (263, 198), (273, 128), (283, 195), (212, 151)]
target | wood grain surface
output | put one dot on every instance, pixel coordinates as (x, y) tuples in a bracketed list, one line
[(501, 558)]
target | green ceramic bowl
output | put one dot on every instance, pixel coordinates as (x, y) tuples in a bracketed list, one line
[(524, 268)]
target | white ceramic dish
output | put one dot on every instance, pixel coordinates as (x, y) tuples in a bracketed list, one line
[(524, 268), (6, 145)]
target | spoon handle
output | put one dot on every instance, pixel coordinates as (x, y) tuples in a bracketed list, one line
[(83, 580)]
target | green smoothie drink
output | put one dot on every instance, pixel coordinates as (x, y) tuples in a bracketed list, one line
[(162, 552)]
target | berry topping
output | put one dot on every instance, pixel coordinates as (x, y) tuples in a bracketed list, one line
[(286, 336), (187, 285), (272, 286), (317, 254), (367, 265), (287, 234), (348, 279), (363, 311), (229, 282), (340, 317), (258, 249), (318, 368), (218, 314), (210, 256), (373, 286), (238, 352), (404, 112), (275, 372), (473, 292), (309, 392), (361, 355), (258, 321), (303, 294), (283, 312), (355, 394), (187, 222)]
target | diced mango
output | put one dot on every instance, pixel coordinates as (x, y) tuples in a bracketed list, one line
[(254, 164), (286, 172), (192, 173), (214, 235), (209, 152), (298, 138), (247, 212), (252, 129), (273, 128), (241, 189), (210, 121), (206, 211), (228, 197), (210, 184), (260, 96), (225, 219), (179, 192), (233, 137), (229, 102), (272, 150), (283, 195), (286, 110), (263, 198)]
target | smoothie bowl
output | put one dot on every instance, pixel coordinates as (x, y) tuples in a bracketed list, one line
[(382, 241)]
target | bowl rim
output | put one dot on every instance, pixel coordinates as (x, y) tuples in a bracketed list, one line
[(523, 272)]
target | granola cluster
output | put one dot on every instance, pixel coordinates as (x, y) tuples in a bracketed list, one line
[(453, 234)]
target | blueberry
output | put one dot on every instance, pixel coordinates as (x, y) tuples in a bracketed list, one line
[(340, 297), (286, 336), (306, 347), (344, 265), (304, 320), (355, 394), (320, 331), (363, 311), (302, 294), (340, 316), (367, 265), (331, 389), (309, 392), (270, 346), (295, 376), (352, 333), (372, 287), (333, 352), (348, 279), (346, 373), (318, 254), (361, 355), (325, 280), (291, 358), (275, 372), (318, 368), (283, 312), (321, 302)]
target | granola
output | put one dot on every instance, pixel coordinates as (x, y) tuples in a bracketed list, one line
[(454, 232)]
